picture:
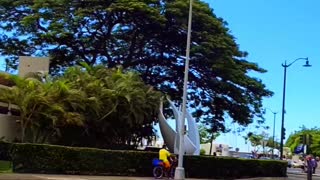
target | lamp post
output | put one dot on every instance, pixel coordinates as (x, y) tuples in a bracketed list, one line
[(285, 66), (179, 173), (273, 133)]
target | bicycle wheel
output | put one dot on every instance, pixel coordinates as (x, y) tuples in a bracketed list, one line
[(158, 172), (172, 171)]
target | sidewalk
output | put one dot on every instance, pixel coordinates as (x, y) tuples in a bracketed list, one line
[(74, 177), (299, 172)]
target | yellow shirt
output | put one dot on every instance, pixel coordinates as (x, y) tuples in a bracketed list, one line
[(163, 155)]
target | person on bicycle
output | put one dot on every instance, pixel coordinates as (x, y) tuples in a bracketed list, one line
[(164, 156)]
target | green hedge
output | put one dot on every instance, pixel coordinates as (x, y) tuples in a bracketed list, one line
[(31, 158), (5, 151), (227, 167)]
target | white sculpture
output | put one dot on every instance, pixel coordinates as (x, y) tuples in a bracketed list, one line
[(171, 137)]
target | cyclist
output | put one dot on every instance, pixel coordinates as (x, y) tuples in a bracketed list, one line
[(164, 156)]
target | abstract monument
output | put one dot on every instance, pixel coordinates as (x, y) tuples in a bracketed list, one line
[(171, 136)]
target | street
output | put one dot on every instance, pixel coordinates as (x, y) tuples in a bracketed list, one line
[(298, 177), (296, 173), (69, 177)]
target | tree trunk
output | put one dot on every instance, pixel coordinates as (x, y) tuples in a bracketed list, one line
[(23, 131), (211, 139), (35, 134)]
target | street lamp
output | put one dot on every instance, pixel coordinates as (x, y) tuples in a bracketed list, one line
[(274, 127), (285, 66), (179, 173)]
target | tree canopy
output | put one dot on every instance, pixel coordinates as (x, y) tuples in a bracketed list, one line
[(294, 139), (206, 136), (256, 140), (148, 36)]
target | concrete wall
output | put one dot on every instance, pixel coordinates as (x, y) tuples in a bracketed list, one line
[(8, 127), (33, 64)]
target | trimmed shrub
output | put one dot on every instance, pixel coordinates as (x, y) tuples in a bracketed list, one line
[(6, 80), (228, 167), (33, 158), (202, 152), (5, 151)]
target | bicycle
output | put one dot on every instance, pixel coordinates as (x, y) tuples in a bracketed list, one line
[(158, 169)]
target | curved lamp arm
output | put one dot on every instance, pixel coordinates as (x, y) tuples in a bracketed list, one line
[(287, 65), (271, 110)]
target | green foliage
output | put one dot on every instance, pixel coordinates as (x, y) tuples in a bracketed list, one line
[(6, 80), (206, 136), (294, 139), (32, 158), (71, 160), (254, 139), (92, 106), (5, 167), (148, 37), (122, 100), (202, 152), (5, 151), (216, 167), (41, 112), (271, 144)]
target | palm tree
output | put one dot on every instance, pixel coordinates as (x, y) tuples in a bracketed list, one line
[(66, 108), (42, 106), (125, 106), (93, 105), (26, 94), (254, 139)]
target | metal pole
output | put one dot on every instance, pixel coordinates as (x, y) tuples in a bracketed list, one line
[(179, 173), (273, 136), (283, 108)]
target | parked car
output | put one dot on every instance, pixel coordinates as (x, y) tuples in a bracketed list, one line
[(297, 164), (247, 157), (264, 158)]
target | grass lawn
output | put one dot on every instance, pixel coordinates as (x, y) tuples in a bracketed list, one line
[(5, 167)]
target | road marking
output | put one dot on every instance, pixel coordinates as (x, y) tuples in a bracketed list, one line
[(60, 178)]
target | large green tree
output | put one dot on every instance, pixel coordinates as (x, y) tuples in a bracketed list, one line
[(148, 36), (207, 136), (294, 139), (273, 144)]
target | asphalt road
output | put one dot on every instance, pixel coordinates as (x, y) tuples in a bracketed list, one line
[(300, 177), (68, 177)]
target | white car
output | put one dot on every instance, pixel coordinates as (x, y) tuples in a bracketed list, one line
[(297, 164)]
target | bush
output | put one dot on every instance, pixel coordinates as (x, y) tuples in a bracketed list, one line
[(31, 158), (202, 152), (227, 167), (5, 151), (5, 80)]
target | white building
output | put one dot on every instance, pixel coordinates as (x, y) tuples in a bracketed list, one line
[(219, 149), (9, 113)]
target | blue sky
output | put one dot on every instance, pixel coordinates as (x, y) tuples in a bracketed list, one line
[(273, 31)]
